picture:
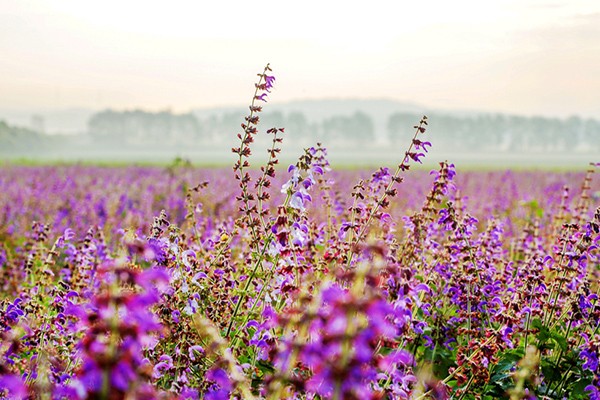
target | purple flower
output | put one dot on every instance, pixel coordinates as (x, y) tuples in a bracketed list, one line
[(90, 375), (15, 387), (382, 175), (262, 97), (590, 356), (191, 307), (221, 390), (217, 394), (316, 169), (193, 350), (175, 315), (154, 279), (414, 156), (299, 234), (269, 81), (420, 145), (122, 374), (594, 392), (293, 181), (116, 335), (63, 391), (189, 394), (188, 257), (68, 234), (297, 201), (157, 250), (220, 377), (165, 364)]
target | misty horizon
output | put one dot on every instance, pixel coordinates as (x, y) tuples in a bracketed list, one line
[(356, 132), (73, 120)]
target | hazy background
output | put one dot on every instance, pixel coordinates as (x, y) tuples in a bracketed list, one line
[(514, 78)]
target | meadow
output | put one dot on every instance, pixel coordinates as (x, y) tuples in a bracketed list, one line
[(299, 281)]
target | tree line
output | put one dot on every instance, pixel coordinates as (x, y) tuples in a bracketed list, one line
[(490, 132), (482, 132), (15, 137), (505, 132), (142, 126)]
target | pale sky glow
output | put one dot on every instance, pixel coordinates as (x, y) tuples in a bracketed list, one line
[(526, 57)]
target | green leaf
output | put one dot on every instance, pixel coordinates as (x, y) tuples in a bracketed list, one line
[(577, 389), (535, 209), (560, 340), (551, 373), (265, 366), (501, 373)]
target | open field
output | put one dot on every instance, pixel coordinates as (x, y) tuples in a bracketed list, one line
[(305, 282), (479, 283), (339, 157)]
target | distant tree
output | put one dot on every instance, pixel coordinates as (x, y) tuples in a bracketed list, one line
[(211, 125), (399, 126), (591, 134), (139, 126), (18, 138), (273, 119), (230, 124), (297, 127), (107, 125), (489, 132), (357, 127), (362, 128)]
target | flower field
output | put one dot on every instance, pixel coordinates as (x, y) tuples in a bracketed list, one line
[(305, 282)]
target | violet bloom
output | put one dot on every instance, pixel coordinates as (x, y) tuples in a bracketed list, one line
[(421, 145), (221, 389), (589, 354), (299, 234), (188, 258), (341, 350), (297, 201), (13, 311), (194, 350), (415, 156), (594, 392), (158, 250), (165, 363), (382, 175), (269, 81), (117, 333), (14, 386), (293, 181), (67, 235)]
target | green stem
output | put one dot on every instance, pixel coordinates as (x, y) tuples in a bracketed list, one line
[(245, 321), (527, 323), (248, 283), (464, 391), (562, 381)]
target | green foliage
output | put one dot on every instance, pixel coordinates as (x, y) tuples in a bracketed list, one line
[(501, 374)]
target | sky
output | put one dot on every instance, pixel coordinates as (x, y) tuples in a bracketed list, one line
[(525, 57)]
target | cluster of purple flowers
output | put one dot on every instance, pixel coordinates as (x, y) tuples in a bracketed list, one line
[(338, 356), (117, 327)]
